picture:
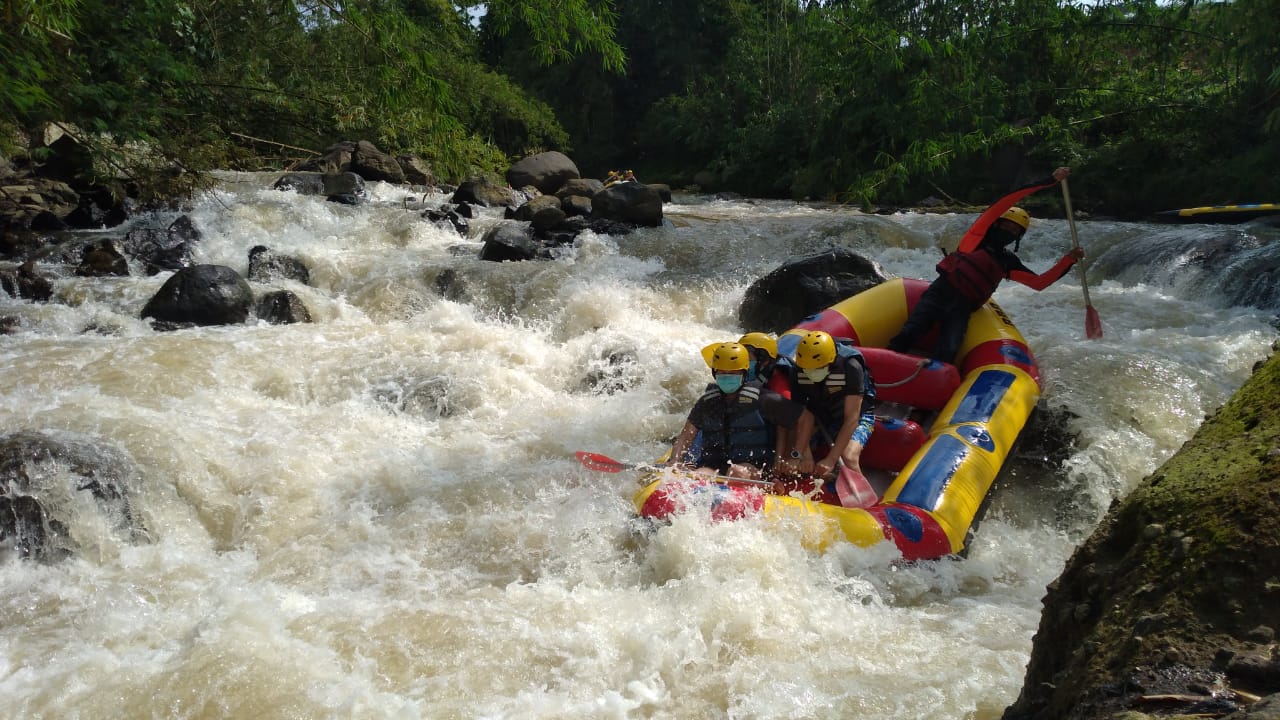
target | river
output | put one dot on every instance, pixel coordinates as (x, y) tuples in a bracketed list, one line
[(379, 514)]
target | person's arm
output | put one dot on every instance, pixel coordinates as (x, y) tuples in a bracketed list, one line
[(973, 237), (791, 419), (1050, 276), (683, 442), (852, 416)]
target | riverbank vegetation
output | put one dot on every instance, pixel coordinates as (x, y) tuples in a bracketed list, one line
[(1158, 104)]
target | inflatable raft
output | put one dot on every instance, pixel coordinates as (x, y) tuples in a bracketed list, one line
[(942, 434), (1220, 213)]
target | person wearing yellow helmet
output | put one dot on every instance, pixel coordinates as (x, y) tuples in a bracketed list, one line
[(969, 276), (764, 354), (736, 418), (833, 381)]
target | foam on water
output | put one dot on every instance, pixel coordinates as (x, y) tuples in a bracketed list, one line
[(379, 515)]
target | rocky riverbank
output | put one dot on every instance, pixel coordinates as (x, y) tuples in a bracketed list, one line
[(1171, 606)]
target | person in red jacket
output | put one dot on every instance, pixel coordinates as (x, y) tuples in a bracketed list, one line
[(968, 277)]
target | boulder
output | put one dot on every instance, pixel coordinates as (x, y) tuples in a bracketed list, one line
[(784, 297), (167, 249), (1174, 595), (265, 266), (344, 187), (628, 202), (509, 241), (372, 164), (281, 307), (202, 295), (24, 282), (580, 187), (547, 171), (44, 475), (102, 259), (479, 191)]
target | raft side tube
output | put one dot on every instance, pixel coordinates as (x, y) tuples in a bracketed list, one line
[(967, 446)]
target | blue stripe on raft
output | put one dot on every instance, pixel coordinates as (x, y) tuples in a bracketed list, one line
[(934, 472), (984, 396), (905, 523), (977, 435), (1017, 354)]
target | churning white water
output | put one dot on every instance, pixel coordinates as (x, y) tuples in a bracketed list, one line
[(379, 515)]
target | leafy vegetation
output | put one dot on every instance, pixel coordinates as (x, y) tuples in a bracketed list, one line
[(1159, 105), (262, 83)]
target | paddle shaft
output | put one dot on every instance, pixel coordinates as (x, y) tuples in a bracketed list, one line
[(1075, 241)]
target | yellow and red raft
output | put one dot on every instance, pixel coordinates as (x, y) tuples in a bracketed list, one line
[(945, 434)]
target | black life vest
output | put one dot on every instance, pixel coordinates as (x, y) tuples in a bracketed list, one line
[(975, 275), (740, 434), (826, 399)]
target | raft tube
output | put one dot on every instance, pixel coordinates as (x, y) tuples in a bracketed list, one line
[(1226, 214), (943, 474)]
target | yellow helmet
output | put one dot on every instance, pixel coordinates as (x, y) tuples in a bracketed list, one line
[(1018, 216), (760, 341), (816, 349), (726, 357)]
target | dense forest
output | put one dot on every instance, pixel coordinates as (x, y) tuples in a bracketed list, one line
[(883, 102)]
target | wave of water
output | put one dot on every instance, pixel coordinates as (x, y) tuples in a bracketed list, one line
[(379, 515)]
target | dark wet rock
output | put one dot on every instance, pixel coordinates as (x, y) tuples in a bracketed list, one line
[(102, 259), (282, 307), (576, 206), (579, 187), (546, 171), (479, 191), (97, 210), (663, 190), (629, 202), (9, 324), (430, 397), (46, 221), (509, 241), (448, 217), (450, 285), (372, 164), (44, 475), (24, 282), (360, 157), (202, 295), (161, 249), (614, 371), (416, 170), (1168, 598), (543, 211), (784, 297), (344, 187), (266, 265)]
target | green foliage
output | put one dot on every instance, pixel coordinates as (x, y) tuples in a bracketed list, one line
[(263, 83), (882, 101)]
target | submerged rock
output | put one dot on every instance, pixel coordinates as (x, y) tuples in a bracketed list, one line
[(49, 479)]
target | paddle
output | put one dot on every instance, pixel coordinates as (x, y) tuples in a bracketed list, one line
[(852, 487), (604, 463), (1092, 323)]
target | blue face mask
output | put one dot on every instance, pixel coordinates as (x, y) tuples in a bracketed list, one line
[(729, 383), (751, 370)]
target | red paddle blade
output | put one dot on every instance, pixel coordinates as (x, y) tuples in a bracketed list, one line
[(1092, 323), (854, 490), (599, 463)]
